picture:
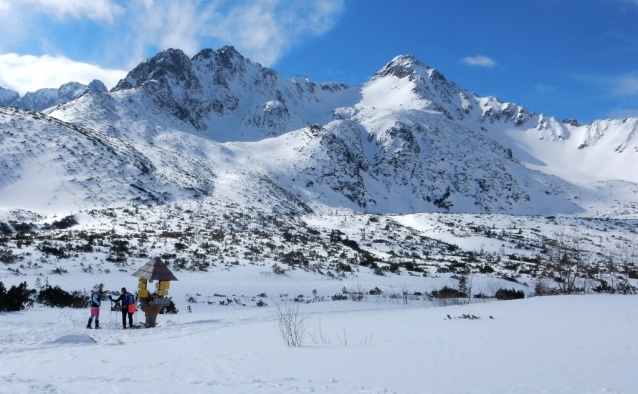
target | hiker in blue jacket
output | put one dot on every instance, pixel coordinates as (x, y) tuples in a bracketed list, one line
[(127, 299), (95, 307)]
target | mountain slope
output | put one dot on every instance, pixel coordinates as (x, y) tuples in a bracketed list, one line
[(406, 141), (50, 165)]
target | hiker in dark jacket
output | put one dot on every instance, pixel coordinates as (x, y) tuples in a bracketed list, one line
[(95, 307), (126, 299)]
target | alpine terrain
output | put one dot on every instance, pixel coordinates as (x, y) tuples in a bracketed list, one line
[(406, 141), (275, 198)]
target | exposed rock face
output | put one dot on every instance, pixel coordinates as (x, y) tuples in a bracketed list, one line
[(169, 79)]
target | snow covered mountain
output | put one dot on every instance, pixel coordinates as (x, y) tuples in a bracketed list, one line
[(51, 166), (226, 97), (220, 126), (8, 96), (42, 99)]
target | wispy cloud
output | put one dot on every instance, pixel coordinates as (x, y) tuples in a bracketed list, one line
[(97, 10), (261, 29), (29, 73), (627, 84), (544, 88), (623, 113), (177, 25), (619, 85), (620, 90), (480, 61)]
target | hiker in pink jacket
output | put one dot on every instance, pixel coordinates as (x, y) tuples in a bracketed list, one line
[(95, 307)]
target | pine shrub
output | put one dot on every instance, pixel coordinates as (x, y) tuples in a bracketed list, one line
[(508, 294), (448, 292), (57, 297), (17, 298)]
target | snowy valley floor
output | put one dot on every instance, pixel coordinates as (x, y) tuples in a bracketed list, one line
[(576, 344)]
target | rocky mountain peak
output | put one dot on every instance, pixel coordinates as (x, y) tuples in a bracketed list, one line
[(70, 90), (402, 66), (229, 52), (98, 86), (173, 62)]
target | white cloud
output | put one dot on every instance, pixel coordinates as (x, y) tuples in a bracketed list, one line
[(627, 84), (481, 61), (262, 30), (29, 73), (165, 24), (97, 10)]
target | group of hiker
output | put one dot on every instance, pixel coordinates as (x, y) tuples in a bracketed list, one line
[(128, 306)]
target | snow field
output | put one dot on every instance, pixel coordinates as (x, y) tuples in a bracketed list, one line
[(543, 344)]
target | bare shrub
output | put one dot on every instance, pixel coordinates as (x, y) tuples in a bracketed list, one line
[(356, 294), (367, 341), (344, 340), (291, 323), (542, 287), (317, 337), (569, 254), (447, 301)]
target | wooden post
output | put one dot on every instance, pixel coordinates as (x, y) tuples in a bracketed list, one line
[(151, 312)]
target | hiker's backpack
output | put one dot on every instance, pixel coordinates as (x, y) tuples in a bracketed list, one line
[(130, 300)]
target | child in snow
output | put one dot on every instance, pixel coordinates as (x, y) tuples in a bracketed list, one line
[(95, 307), (127, 299)]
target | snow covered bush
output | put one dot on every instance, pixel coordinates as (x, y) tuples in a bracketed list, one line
[(277, 270), (171, 309)]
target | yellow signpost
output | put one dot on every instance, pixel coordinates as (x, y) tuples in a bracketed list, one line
[(152, 303)]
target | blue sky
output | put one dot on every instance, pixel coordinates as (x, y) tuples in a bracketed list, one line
[(570, 59)]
